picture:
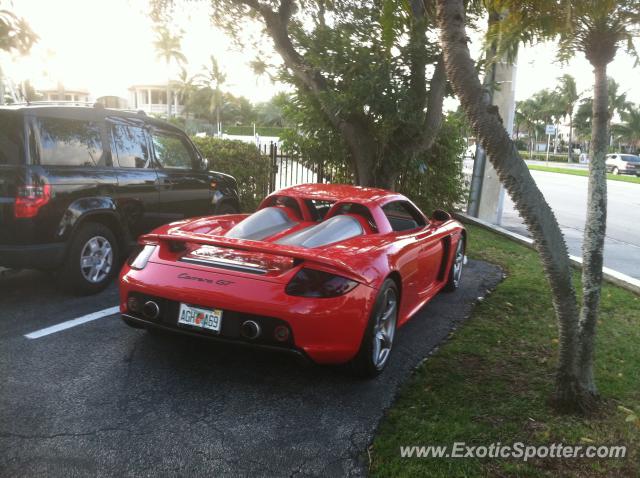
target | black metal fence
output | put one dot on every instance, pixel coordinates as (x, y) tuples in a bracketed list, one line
[(287, 168)]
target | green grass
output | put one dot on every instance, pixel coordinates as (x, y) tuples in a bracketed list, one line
[(583, 172), (490, 382)]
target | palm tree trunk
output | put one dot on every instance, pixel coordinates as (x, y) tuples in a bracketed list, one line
[(168, 95), (529, 201), (594, 231), (534, 144), (570, 137), (218, 101)]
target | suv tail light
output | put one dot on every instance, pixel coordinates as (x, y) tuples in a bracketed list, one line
[(29, 200), (313, 283)]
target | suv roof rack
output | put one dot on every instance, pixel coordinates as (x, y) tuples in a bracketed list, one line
[(92, 104), (55, 103)]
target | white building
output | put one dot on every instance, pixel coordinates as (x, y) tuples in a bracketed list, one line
[(152, 99), (63, 94)]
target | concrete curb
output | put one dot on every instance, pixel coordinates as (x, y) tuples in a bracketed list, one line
[(618, 278)]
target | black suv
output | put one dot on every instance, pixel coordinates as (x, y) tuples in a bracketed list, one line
[(79, 184)]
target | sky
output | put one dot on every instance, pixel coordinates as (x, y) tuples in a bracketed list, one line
[(105, 46)]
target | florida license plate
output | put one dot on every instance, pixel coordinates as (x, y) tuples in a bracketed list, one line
[(198, 317)]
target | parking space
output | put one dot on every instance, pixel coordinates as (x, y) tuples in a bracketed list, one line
[(100, 398)]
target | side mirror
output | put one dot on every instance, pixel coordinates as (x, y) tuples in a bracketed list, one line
[(204, 164), (440, 215)]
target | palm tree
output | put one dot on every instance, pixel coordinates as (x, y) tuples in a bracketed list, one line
[(167, 48), (15, 35), (629, 129), (213, 77), (582, 120), (549, 111), (185, 89), (567, 94), (516, 178), (617, 102), (530, 112), (595, 28)]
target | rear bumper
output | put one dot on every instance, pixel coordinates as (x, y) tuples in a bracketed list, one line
[(325, 330), (151, 324), (36, 256)]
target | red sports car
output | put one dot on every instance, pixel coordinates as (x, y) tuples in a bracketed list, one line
[(325, 271)]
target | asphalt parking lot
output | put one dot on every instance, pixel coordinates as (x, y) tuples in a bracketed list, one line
[(103, 399)]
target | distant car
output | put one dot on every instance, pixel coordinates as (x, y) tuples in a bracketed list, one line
[(79, 184), (325, 271), (623, 164)]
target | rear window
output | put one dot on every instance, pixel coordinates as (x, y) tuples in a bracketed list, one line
[(263, 223), (338, 228), (630, 158), (11, 139), (66, 142), (318, 208)]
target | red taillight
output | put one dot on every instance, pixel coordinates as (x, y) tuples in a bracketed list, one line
[(314, 283), (30, 199)]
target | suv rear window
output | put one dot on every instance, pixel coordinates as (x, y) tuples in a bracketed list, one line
[(11, 139), (66, 142)]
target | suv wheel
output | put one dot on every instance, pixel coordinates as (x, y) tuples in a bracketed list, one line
[(92, 259), (615, 171)]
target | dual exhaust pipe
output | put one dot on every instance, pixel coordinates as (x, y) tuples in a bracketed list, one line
[(249, 329)]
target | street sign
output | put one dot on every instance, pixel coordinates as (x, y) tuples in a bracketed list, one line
[(550, 129)]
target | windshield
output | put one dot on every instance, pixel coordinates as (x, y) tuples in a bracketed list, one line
[(630, 158)]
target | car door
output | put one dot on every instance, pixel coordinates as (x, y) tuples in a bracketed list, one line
[(137, 195), (185, 189)]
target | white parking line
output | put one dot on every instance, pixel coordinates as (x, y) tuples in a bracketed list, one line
[(72, 323)]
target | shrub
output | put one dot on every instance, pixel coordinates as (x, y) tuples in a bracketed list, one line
[(435, 179), (241, 160)]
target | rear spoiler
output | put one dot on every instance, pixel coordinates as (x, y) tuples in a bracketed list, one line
[(264, 247)]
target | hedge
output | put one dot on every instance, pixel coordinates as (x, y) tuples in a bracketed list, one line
[(241, 160), (558, 158)]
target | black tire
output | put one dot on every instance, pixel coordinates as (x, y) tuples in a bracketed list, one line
[(453, 279), (363, 365), (227, 208), (615, 171), (72, 275)]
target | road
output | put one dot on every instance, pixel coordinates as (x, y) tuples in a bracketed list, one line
[(567, 196), (102, 399)]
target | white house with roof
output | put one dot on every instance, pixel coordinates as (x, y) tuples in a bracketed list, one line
[(61, 93), (152, 99)]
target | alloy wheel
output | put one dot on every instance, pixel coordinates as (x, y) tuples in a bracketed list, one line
[(458, 263), (96, 259), (384, 329)]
